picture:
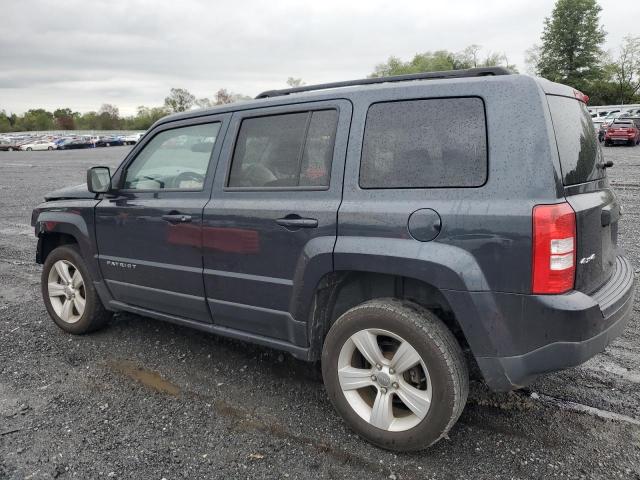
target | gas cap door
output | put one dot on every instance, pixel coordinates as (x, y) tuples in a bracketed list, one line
[(424, 224)]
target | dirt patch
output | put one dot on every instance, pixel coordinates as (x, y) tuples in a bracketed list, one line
[(148, 378)]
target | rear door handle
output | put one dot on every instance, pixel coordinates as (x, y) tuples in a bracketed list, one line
[(297, 222), (177, 218)]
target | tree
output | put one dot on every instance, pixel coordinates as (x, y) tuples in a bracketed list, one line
[(108, 117), (204, 103), (626, 70), (223, 97), (179, 100), (64, 119), (572, 44), (440, 60), (5, 122), (35, 119), (472, 54), (294, 82)]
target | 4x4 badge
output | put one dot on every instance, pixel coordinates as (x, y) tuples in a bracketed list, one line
[(586, 260)]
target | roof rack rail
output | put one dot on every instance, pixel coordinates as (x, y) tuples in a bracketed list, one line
[(470, 72)]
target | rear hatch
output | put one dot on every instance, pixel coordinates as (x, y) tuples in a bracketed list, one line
[(587, 190)]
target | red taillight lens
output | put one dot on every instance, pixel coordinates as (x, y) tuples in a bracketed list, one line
[(554, 248)]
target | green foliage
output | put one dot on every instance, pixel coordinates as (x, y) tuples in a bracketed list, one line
[(108, 117), (5, 122), (571, 50), (36, 119), (65, 119), (442, 60), (625, 70)]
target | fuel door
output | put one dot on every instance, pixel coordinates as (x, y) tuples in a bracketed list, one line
[(424, 224)]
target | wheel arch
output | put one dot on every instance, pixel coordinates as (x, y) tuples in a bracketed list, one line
[(340, 291), (64, 223)]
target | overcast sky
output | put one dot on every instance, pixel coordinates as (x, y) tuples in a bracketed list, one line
[(81, 54)]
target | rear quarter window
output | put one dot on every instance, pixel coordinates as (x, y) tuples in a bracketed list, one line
[(576, 139), (425, 144)]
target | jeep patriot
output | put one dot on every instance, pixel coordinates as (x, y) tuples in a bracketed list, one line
[(391, 228)]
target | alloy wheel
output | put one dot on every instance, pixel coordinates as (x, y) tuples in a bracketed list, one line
[(66, 291), (384, 380)]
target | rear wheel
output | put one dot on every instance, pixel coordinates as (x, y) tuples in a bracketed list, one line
[(68, 292), (29, 149), (11, 149), (395, 373)]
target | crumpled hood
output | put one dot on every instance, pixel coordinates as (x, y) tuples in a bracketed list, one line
[(79, 191)]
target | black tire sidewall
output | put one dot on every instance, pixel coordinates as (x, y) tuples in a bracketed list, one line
[(90, 319), (432, 427)]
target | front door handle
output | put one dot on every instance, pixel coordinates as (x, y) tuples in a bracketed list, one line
[(295, 222), (177, 218)]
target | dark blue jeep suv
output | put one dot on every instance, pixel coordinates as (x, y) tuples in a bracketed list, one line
[(382, 226)]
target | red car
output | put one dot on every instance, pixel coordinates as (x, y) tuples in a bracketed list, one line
[(622, 131)]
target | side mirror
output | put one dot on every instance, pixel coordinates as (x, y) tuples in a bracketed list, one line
[(99, 179)]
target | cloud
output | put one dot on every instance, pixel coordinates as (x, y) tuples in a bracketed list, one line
[(82, 54)]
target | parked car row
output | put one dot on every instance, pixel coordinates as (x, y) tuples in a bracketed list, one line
[(619, 128), (67, 142)]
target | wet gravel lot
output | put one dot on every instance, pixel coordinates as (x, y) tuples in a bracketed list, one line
[(148, 400)]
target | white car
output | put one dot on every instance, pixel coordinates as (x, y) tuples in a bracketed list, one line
[(39, 145), (132, 139)]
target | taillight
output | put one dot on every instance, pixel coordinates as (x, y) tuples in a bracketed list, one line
[(554, 248)]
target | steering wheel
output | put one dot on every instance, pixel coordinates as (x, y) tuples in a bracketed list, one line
[(186, 176)]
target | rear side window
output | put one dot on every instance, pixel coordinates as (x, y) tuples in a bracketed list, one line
[(424, 144), (290, 150), (576, 139)]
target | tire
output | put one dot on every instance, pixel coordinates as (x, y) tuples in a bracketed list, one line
[(29, 149), (49, 148), (93, 316), (438, 381), (11, 149)]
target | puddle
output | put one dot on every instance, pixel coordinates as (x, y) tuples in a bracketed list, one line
[(148, 378)]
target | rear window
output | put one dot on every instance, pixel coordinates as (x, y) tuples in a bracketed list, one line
[(425, 143), (622, 125), (576, 140)]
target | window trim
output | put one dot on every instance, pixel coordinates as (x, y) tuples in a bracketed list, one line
[(439, 187), (309, 111), (123, 174)]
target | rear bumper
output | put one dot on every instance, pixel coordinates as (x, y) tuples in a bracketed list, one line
[(565, 330)]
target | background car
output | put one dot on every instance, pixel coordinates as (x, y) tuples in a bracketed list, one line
[(9, 145), (622, 131), (132, 139), (109, 142), (74, 143), (39, 145)]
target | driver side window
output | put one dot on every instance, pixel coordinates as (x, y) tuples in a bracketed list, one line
[(175, 159)]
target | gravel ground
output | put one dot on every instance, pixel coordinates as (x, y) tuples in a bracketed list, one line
[(148, 400)]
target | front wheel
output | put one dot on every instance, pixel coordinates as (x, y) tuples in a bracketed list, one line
[(49, 148), (29, 149), (68, 292), (395, 373)]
